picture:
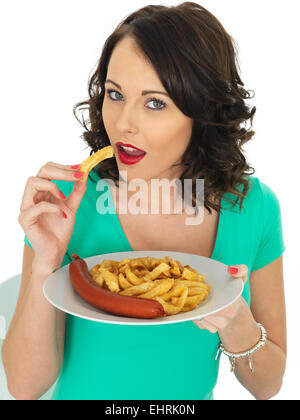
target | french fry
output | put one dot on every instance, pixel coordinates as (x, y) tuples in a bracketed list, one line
[(189, 275), (175, 270), (156, 272), (154, 262), (190, 300), (189, 307), (143, 273), (93, 160), (139, 289), (111, 280), (124, 284), (180, 266), (137, 263), (124, 262), (190, 283), (99, 279), (197, 291), (95, 270), (108, 264), (148, 263), (161, 288), (182, 299), (191, 269), (168, 307), (175, 291), (132, 278)]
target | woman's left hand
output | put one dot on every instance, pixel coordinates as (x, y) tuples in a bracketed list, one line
[(220, 320)]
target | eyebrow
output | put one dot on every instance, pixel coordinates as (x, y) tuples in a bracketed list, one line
[(144, 92)]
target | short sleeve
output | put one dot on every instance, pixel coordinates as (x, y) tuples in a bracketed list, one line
[(27, 242), (65, 187), (271, 245)]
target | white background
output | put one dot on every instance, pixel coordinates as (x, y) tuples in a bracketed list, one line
[(48, 51)]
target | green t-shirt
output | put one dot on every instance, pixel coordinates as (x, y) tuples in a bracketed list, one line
[(157, 362)]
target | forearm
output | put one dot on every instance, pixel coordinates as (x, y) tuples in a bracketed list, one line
[(268, 362), (30, 351)]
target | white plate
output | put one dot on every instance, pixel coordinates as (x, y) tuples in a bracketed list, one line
[(224, 289)]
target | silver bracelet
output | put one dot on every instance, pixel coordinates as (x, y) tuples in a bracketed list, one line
[(248, 353)]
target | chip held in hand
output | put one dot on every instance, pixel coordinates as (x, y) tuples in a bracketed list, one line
[(93, 160)]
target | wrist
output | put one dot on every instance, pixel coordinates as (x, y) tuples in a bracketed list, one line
[(242, 333), (43, 269)]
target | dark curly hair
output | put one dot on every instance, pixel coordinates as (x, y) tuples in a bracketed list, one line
[(196, 62)]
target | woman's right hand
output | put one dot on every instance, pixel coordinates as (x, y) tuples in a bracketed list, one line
[(41, 214)]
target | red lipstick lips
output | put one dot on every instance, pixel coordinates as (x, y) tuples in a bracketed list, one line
[(129, 154)]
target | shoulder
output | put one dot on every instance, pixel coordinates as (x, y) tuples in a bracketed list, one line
[(262, 195), (264, 215), (259, 203), (257, 194)]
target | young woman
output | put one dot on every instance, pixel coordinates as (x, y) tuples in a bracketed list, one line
[(167, 85)]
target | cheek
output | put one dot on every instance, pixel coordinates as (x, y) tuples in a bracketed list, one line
[(105, 116), (171, 140), (108, 116)]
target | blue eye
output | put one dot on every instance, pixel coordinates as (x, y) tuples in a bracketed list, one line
[(158, 101), (162, 105), (109, 91)]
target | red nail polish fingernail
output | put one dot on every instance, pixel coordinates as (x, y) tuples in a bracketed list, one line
[(79, 175), (76, 166), (64, 215), (62, 195), (233, 270)]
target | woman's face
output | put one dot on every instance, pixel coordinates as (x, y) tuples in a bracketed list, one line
[(157, 126)]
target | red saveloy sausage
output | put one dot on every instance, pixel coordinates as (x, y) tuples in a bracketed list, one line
[(106, 300)]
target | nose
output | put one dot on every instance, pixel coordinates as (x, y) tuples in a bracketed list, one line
[(127, 120)]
